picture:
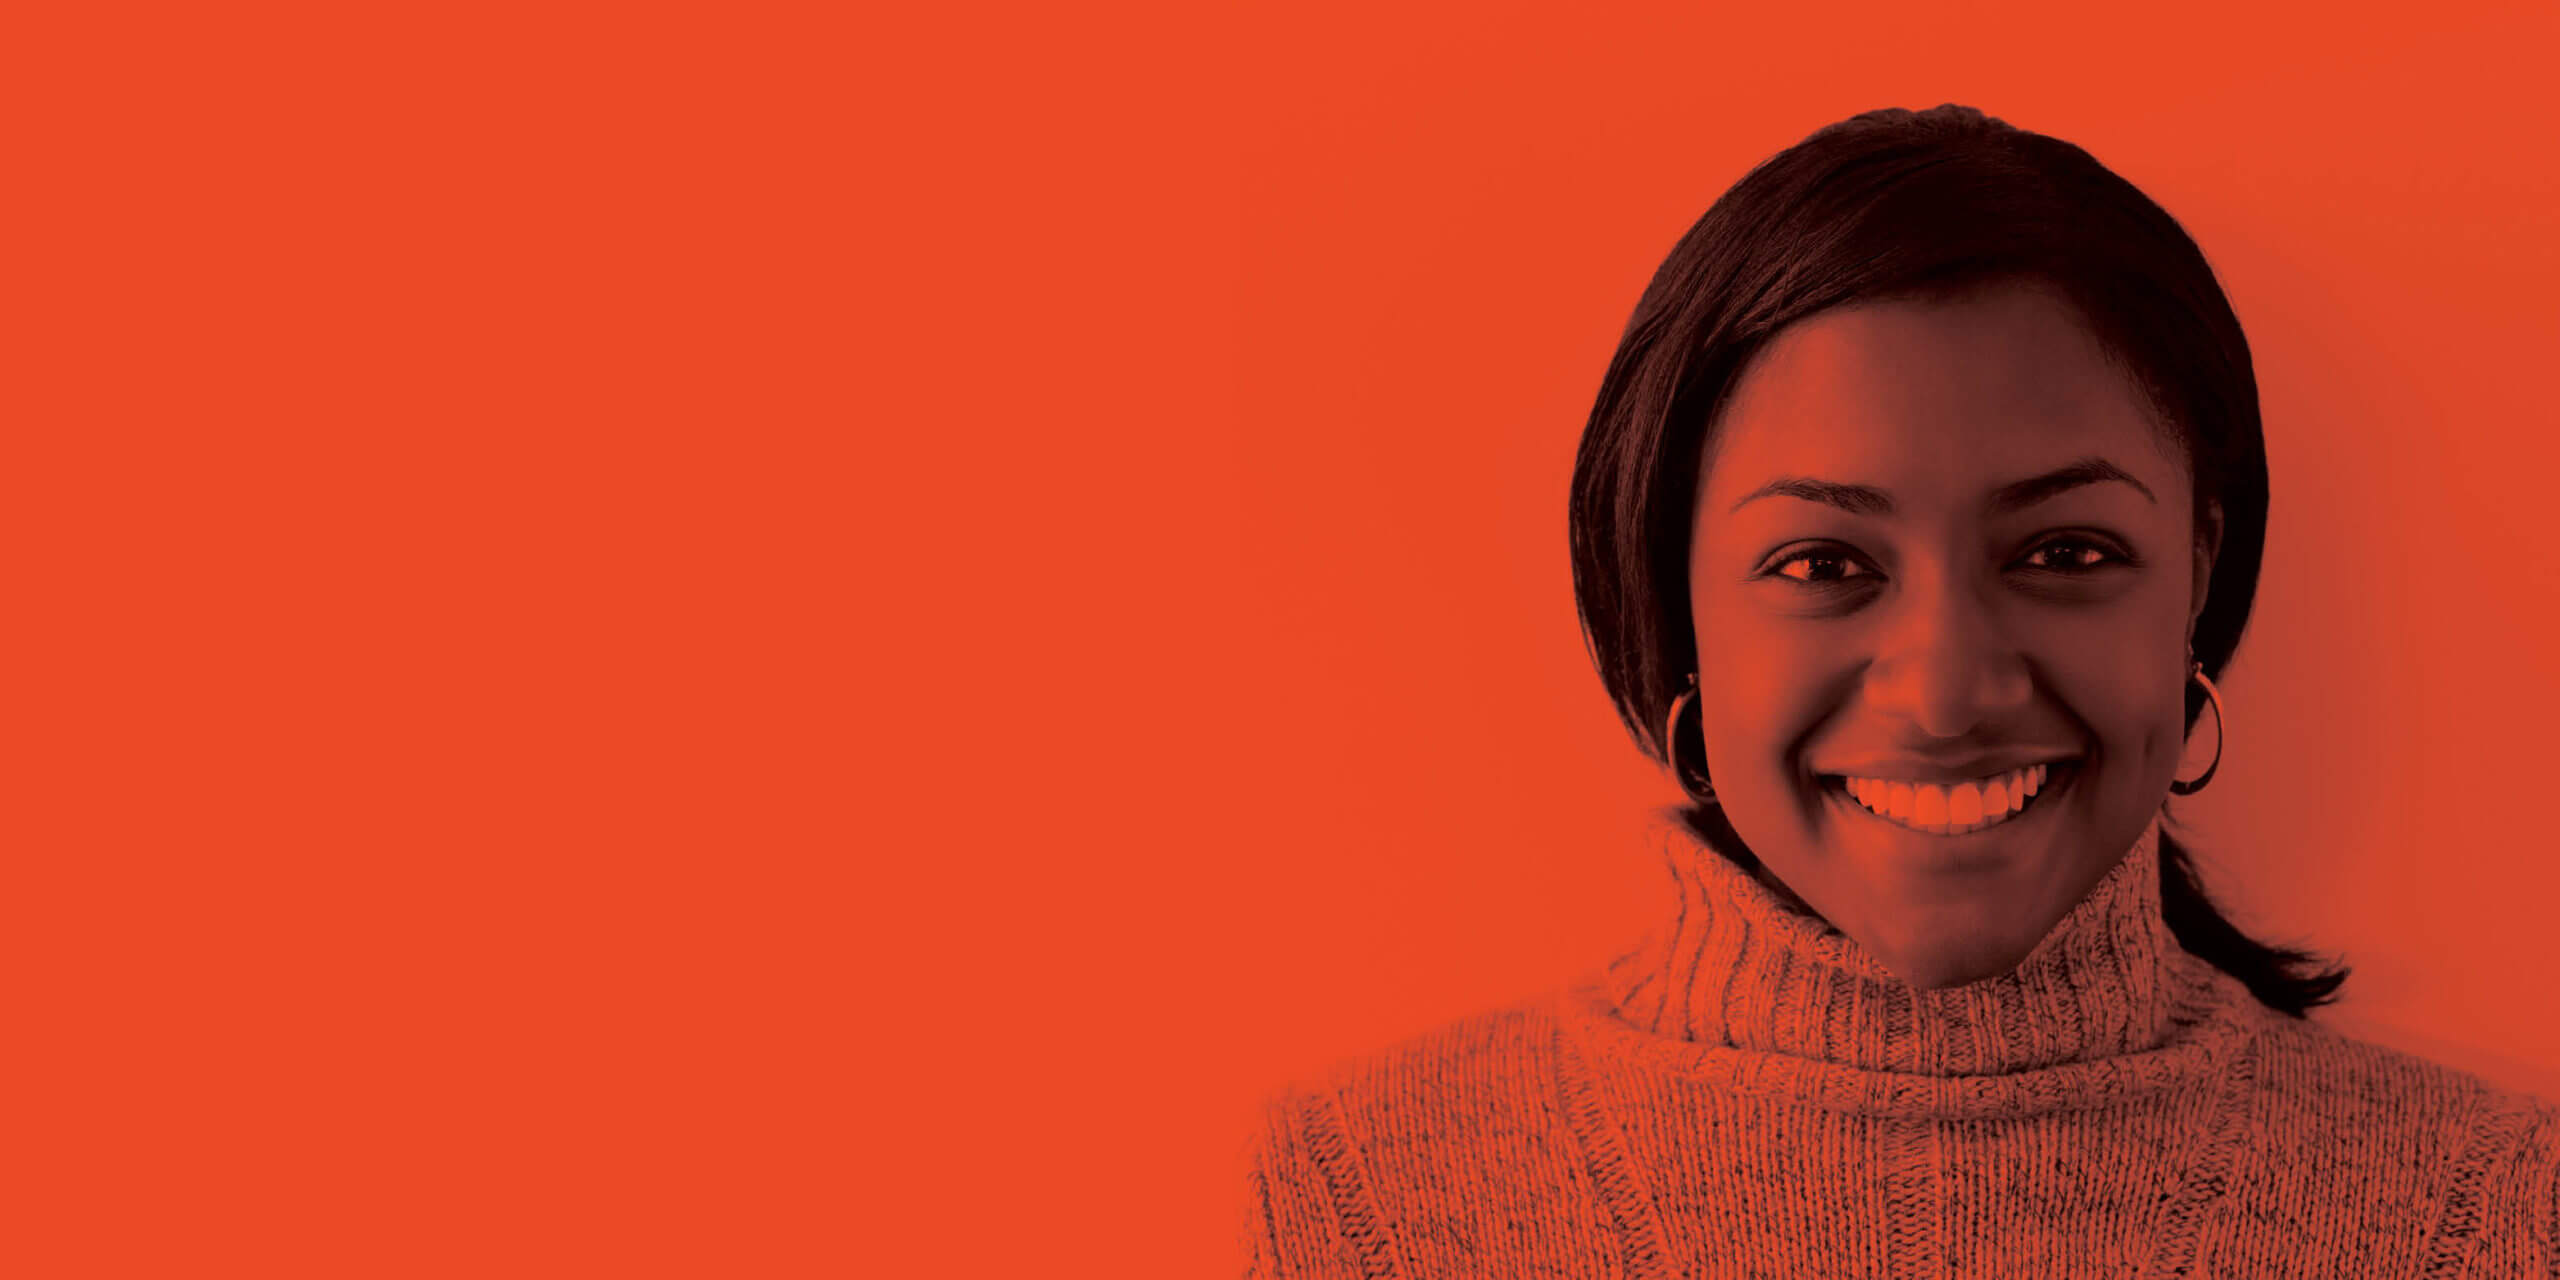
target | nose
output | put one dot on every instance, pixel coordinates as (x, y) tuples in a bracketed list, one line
[(1946, 663)]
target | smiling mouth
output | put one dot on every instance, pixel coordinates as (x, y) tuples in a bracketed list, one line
[(1953, 809)]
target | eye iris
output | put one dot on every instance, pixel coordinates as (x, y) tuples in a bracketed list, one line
[(2077, 555)]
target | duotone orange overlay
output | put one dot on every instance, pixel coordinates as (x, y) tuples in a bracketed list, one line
[(810, 640)]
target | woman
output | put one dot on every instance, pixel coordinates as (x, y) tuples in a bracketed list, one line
[(1921, 503)]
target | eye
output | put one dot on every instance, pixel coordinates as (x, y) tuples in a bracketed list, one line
[(1820, 567), (2075, 554)]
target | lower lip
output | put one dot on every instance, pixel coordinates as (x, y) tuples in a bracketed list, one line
[(2058, 778)]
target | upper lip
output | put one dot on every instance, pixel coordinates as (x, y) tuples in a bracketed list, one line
[(1982, 766)]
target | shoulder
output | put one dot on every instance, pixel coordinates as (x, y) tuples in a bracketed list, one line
[(1447, 1085), (1355, 1166), (2485, 1159), (2335, 1078), (1461, 1067)]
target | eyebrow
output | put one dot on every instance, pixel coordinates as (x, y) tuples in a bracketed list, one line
[(1867, 500)]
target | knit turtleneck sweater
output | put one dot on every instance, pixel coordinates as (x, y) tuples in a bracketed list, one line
[(1751, 1093)]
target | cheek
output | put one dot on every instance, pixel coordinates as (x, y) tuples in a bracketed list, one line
[(2165, 740), (1740, 726), (2129, 701), (1760, 693)]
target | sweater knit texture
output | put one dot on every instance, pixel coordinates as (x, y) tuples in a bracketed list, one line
[(1750, 1093)]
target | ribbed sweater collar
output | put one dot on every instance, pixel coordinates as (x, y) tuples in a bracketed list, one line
[(1734, 966)]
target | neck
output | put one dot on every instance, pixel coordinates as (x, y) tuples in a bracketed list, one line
[(1740, 963)]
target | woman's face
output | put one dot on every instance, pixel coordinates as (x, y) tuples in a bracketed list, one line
[(1939, 543)]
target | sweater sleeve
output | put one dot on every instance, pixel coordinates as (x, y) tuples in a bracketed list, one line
[(2499, 1212), (1261, 1245), (1290, 1229), (2538, 1170), (2549, 1203)]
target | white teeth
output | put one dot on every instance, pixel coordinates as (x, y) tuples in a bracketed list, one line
[(1964, 804), (1948, 809)]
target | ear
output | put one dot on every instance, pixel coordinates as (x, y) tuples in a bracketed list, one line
[(2208, 549)]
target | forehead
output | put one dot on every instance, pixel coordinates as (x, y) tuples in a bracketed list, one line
[(1936, 402)]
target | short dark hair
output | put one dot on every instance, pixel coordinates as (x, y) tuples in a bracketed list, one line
[(1899, 204)]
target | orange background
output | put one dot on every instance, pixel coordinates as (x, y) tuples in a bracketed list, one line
[(792, 641)]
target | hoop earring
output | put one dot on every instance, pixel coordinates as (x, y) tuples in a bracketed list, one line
[(1694, 782), (2195, 672)]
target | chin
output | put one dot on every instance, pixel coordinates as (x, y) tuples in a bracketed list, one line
[(1961, 951)]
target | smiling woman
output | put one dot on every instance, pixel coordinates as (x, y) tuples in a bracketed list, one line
[(1921, 504)]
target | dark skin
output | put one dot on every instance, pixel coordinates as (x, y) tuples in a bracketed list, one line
[(1953, 630)]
